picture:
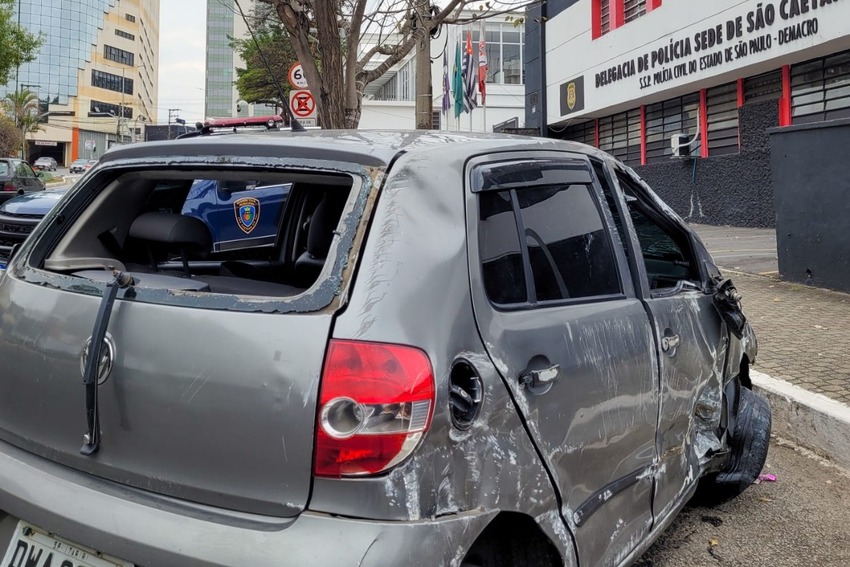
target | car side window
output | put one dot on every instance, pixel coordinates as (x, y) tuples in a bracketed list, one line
[(24, 170), (666, 251), (542, 238)]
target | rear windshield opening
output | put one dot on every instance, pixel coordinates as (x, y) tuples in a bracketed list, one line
[(246, 233)]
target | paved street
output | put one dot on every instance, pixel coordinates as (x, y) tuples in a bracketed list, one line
[(751, 250), (800, 520)]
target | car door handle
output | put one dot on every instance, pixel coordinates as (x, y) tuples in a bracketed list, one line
[(669, 342), (540, 379)]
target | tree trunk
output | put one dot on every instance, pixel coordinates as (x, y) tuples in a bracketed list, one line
[(424, 96)]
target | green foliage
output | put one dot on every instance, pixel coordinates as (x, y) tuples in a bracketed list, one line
[(255, 83), (11, 138), (23, 110), (17, 45)]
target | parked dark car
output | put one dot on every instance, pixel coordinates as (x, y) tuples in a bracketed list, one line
[(45, 163), (17, 178), (20, 215), (461, 350), (80, 166)]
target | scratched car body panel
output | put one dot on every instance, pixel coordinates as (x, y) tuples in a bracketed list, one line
[(446, 349)]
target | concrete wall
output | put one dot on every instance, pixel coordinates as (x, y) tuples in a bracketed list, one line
[(731, 189), (811, 186)]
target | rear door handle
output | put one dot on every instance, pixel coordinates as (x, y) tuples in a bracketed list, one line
[(540, 381), (669, 343)]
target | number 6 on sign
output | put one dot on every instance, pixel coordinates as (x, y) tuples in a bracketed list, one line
[(296, 77)]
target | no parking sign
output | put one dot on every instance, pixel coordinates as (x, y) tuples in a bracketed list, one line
[(302, 104)]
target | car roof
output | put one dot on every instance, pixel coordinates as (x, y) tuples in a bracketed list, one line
[(367, 147)]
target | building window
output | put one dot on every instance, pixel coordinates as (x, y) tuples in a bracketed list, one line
[(634, 9), (400, 86), (119, 55), (664, 119), (722, 116), (117, 83), (505, 53), (130, 18), (113, 109), (125, 35), (761, 88), (584, 133), (605, 16), (435, 120), (619, 135), (820, 89)]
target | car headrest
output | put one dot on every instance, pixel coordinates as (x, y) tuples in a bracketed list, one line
[(175, 230)]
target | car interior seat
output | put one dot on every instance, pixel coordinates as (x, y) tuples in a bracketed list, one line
[(320, 233), (174, 232)]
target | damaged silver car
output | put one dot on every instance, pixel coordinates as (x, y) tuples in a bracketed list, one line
[(461, 350)]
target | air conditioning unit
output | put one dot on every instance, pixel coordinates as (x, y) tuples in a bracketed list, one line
[(680, 144)]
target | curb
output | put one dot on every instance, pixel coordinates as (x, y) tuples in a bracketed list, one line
[(811, 420)]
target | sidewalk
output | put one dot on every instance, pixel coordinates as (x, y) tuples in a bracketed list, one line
[(803, 363), (803, 333)]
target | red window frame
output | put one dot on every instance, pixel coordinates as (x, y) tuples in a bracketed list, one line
[(616, 14)]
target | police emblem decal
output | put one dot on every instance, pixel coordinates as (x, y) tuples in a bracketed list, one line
[(571, 96), (247, 213)]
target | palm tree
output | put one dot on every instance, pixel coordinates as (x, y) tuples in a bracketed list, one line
[(22, 107)]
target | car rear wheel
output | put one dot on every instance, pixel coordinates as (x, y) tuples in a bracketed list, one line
[(749, 445)]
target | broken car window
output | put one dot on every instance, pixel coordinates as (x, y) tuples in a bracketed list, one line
[(666, 252)]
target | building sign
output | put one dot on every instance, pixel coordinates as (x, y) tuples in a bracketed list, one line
[(770, 24), (572, 96), (45, 143), (709, 39)]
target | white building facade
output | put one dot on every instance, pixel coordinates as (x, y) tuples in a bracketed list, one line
[(630, 75), (389, 102)]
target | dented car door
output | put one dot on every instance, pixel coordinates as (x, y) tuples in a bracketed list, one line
[(558, 314), (691, 339)]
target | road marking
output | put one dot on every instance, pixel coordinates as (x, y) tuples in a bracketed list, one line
[(769, 273)]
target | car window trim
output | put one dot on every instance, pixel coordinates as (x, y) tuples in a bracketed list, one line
[(622, 267), (327, 293), (649, 208)]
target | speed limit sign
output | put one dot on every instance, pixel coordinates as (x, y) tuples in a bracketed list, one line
[(296, 77)]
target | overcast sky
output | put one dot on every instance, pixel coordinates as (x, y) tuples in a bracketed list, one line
[(182, 53)]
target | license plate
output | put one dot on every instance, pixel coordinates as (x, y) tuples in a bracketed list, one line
[(34, 547)]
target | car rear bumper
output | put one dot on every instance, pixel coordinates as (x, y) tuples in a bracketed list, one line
[(152, 530)]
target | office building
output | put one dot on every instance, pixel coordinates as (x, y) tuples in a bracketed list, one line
[(95, 75), (224, 22)]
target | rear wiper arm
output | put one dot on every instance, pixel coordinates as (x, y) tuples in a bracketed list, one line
[(91, 439)]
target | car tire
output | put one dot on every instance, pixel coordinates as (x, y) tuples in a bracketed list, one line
[(749, 446)]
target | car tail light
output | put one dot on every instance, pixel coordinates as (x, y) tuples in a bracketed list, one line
[(376, 403), (9, 186)]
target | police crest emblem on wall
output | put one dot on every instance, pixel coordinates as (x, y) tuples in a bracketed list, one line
[(571, 96)]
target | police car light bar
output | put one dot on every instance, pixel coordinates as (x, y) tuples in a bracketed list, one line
[(269, 122)]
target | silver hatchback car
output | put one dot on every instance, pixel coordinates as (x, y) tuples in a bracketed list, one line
[(465, 350)]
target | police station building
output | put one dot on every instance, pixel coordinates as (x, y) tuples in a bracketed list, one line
[(687, 91)]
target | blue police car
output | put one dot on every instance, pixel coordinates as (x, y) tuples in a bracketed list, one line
[(239, 214)]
